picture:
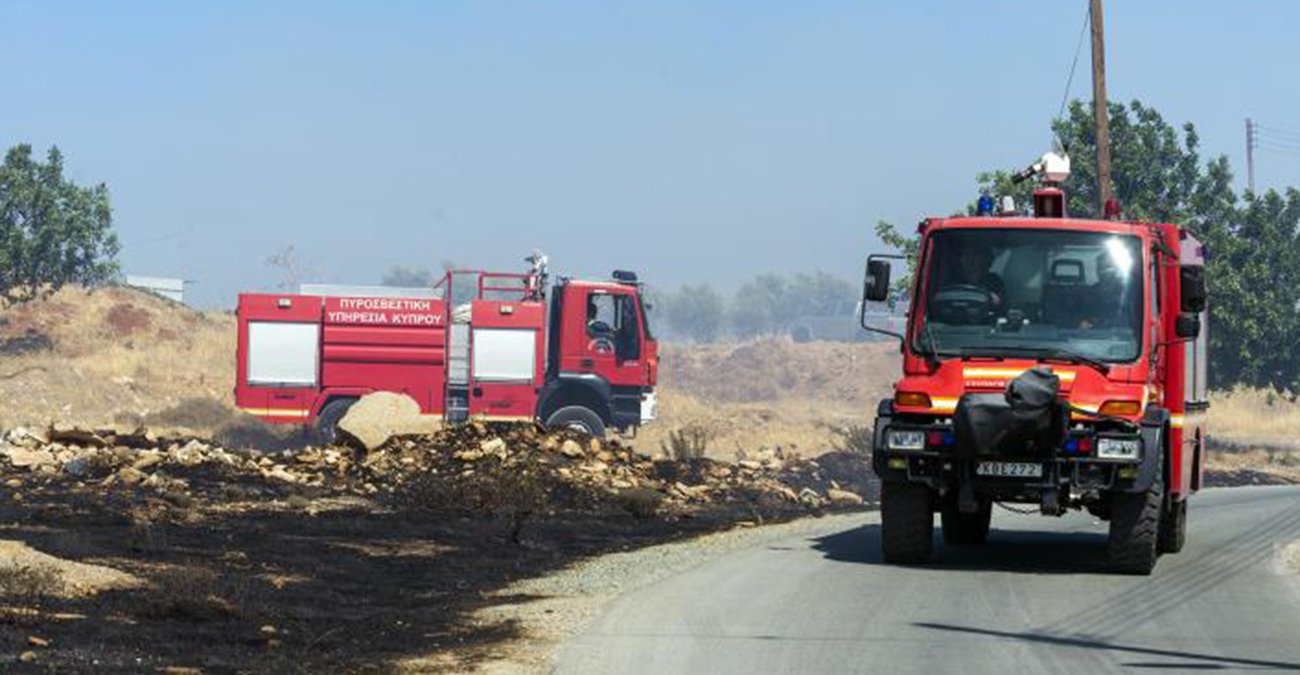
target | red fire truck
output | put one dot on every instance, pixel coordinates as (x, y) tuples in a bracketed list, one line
[(1047, 360), (479, 345)]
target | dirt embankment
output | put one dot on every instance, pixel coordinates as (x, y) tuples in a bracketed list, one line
[(89, 357)]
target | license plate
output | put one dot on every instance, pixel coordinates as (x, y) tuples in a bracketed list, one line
[(1010, 469)]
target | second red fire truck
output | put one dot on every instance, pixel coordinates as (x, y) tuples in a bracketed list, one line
[(479, 345)]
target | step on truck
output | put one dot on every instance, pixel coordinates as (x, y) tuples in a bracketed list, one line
[(1047, 361), (478, 345)]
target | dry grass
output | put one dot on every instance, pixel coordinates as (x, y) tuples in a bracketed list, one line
[(90, 356), (1254, 415)]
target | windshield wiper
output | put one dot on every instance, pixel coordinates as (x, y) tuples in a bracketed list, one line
[(1056, 354), (1067, 355)]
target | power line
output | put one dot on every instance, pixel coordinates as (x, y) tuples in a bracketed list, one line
[(1078, 48), (1278, 139), (1281, 149), (1278, 131)]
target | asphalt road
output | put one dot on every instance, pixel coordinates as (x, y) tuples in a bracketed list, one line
[(1034, 599)]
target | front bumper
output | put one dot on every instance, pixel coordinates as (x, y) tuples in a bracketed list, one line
[(942, 467), (649, 406)]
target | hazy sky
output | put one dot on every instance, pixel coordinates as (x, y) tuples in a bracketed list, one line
[(687, 140)]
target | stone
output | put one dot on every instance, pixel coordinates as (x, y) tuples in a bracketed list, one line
[(25, 458), (469, 455), (595, 466), (63, 432), (76, 466), (380, 416), (147, 459), (37, 641), (193, 453), (810, 497), (570, 448), (493, 446), (751, 465), (130, 476), (843, 497), (27, 657), (27, 437)]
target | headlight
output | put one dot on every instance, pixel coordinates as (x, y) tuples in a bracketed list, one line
[(902, 439), (1119, 448)]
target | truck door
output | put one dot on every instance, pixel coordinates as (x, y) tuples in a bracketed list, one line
[(506, 347)]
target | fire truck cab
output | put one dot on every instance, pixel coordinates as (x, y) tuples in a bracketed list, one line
[(478, 345), (1051, 361)]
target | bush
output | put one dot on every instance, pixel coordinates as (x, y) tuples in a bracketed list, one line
[(687, 443)]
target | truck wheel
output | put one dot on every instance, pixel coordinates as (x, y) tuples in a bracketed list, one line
[(327, 422), (576, 418), (1135, 528), (906, 522), (966, 529), (1173, 527)]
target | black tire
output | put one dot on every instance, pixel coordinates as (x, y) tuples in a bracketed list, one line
[(1173, 527), (576, 418), (966, 529), (906, 523), (326, 431), (1135, 529)]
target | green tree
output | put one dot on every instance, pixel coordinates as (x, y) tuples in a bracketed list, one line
[(756, 308), (1254, 275), (695, 312), (770, 302), (1155, 170), (52, 231)]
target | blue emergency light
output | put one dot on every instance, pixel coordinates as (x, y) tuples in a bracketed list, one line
[(985, 206)]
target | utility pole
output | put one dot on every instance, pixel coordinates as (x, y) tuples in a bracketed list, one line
[(1250, 154), (1099, 106)]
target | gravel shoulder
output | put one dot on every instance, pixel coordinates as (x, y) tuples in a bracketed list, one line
[(555, 607)]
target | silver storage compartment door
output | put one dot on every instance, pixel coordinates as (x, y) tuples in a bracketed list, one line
[(458, 354), (283, 354), (505, 354)]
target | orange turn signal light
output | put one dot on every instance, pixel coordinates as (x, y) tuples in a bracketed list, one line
[(912, 399), (1121, 408)]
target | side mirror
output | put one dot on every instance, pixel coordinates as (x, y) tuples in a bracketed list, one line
[(1187, 326), (1192, 288), (876, 285)]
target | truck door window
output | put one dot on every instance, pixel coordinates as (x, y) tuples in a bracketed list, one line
[(601, 315), (627, 329)]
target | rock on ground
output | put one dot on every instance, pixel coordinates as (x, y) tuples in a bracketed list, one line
[(377, 417), (78, 579)]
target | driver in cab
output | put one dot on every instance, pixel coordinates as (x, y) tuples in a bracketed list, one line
[(971, 275), (597, 329)]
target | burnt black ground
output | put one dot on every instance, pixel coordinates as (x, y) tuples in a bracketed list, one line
[(352, 589)]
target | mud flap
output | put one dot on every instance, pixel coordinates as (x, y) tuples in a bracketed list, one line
[(1152, 430)]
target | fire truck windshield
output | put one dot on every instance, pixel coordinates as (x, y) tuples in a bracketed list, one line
[(1000, 292)]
